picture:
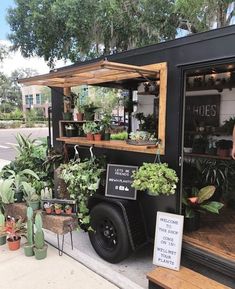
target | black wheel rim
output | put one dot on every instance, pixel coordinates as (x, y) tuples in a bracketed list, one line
[(106, 234)]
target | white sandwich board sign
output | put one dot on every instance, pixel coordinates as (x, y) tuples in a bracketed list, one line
[(168, 240)]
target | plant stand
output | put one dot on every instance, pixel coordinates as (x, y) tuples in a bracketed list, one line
[(61, 243)]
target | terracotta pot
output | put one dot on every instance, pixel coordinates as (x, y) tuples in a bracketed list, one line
[(97, 137), (68, 211), (80, 116), (90, 136), (48, 210), (13, 245), (58, 211)]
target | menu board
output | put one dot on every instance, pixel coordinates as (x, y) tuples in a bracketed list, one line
[(119, 180), (168, 240)]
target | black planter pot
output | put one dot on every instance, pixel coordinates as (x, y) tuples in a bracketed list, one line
[(18, 197), (71, 132), (192, 224)]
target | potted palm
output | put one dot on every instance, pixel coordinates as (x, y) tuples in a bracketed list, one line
[(68, 209), (58, 208), (97, 133), (196, 202), (105, 125), (48, 207)]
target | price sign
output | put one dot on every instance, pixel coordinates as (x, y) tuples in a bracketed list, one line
[(119, 180), (168, 240)]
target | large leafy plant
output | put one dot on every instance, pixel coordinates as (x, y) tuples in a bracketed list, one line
[(82, 179), (198, 201), (156, 179)]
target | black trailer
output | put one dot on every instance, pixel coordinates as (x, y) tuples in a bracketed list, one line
[(180, 65)]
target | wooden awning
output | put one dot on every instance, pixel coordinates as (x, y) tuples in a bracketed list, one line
[(94, 73)]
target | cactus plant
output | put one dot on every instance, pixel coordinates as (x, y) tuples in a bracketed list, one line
[(28, 247), (39, 235), (40, 248)]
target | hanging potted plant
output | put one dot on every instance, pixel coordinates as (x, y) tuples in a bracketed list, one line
[(196, 202), (156, 179), (159, 182)]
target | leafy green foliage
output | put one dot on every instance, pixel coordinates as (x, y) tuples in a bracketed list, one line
[(197, 201), (76, 29), (31, 164), (83, 180), (119, 136), (157, 179), (202, 15), (6, 191)]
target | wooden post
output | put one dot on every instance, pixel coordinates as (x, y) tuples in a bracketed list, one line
[(67, 101)]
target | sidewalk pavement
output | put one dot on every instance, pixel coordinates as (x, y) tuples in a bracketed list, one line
[(3, 163), (18, 271)]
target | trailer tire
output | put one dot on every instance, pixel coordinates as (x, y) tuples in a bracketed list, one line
[(109, 236)]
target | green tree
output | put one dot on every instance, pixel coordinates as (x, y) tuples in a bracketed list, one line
[(202, 15), (3, 52), (78, 29)]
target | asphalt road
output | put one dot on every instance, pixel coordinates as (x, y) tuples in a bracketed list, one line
[(8, 141)]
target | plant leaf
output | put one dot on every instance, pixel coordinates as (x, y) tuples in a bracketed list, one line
[(212, 207), (205, 193)]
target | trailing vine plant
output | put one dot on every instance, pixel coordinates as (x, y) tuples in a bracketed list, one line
[(82, 179)]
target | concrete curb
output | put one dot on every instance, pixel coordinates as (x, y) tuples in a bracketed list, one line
[(103, 270)]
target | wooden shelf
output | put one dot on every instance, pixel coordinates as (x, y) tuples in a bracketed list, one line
[(112, 144), (206, 156)]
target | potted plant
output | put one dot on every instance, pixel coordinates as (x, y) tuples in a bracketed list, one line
[(82, 181), (40, 248), (7, 191), (155, 178), (105, 125), (32, 199), (29, 245), (18, 178), (199, 144), (224, 147), (68, 209), (58, 208), (70, 130), (197, 201), (14, 230), (89, 111), (48, 207), (89, 128), (141, 138), (67, 114), (2, 229), (79, 106), (97, 133)]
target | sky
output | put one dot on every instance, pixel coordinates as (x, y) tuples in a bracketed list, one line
[(15, 60)]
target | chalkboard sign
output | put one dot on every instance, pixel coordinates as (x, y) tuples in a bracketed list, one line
[(119, 180), (168, 240), (202, 110)]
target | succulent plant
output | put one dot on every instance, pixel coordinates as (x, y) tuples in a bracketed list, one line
[(39, 235)]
